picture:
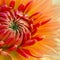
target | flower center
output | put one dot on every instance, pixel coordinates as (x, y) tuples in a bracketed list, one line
[(14, 26)]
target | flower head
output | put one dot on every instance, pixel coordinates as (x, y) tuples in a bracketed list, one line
[(27, 27)]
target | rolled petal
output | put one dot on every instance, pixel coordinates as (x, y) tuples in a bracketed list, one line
[(23, 53), (12, 4), (21, 7)]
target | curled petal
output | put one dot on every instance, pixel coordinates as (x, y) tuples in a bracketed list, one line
[(21, 7), (5, 8), (27, 7), (32, 42), (12, 48), (34, 14), (37, 38), (29, 42), (44, 22), (29, 53), (37, 25), (21, 51), (12, 3), (26, 53), (2, 15)]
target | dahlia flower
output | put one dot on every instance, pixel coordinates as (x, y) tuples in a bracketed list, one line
[(28, 29)]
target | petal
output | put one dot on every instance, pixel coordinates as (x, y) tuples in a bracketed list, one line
[(5, 8), (22, 52), (34, 14), (29, 53), (12, 4), (29, 42), (21, 7), (27, 7)]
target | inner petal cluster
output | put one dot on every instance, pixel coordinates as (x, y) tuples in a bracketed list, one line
[(17, 25), (17, 28)]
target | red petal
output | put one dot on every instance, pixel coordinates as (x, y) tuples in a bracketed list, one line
[(3, 20), (27, 5), (14, 47), (21, 7), (4, 8), (29, 53), (27, 33), (35, 30), (9, 40), (34, 14), (31, 21), (27, 36), (3, 27), (18, 14), (37, 25), (12, 3), (22, 52), (31, 27), (2, 15), (19, 37), (29, 42), (2, 31), (46, 21), (10, 14), (37, 38), (17, 42), (40, 24), (25, 17)]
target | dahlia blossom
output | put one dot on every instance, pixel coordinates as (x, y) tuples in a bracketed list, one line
[(28, 29)]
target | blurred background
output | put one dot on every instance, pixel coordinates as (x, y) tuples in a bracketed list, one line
[(57, 2)]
